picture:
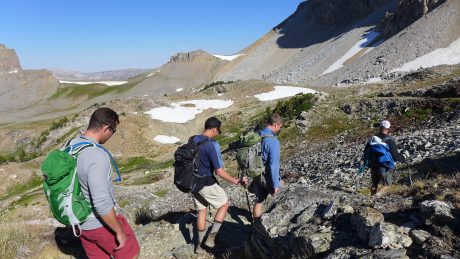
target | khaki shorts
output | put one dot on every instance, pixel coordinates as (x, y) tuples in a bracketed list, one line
[(212, 195)]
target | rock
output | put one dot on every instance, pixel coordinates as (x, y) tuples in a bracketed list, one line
[(350, 252), (419, 236), (435, 211), (390, 254), (328, 211), (346, 209), (364, 220), (321, 242), (407, 12), (387, 235)]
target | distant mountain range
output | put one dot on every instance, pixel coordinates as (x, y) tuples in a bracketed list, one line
[(112, 75)]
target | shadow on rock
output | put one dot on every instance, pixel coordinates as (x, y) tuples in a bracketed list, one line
[(68, 243)]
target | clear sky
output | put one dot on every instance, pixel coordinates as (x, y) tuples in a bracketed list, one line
[(96, 35)]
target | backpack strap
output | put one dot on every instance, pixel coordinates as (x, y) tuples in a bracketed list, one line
[(112, 160), (199, 143)]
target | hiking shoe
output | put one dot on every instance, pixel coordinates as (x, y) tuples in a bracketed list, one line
[(199, 250), (211, 240)]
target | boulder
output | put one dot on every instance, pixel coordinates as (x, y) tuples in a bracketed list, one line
[(437, 212), (387, 235), (363, 220), (419, 236)]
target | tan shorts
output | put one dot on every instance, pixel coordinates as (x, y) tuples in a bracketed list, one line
[(212, 195)]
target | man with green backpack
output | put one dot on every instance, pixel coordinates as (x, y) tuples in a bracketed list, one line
[(78, 184), (259, 158)]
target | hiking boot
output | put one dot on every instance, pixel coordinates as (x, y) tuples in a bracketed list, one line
[(199, 250), (211, 240)]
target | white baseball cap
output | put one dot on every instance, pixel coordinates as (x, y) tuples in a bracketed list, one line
[(385, 124)]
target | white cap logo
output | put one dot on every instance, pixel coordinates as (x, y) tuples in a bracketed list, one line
[(385, 124)]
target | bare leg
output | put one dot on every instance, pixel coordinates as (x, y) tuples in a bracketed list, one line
[(221, 213), (201, 220), (257, 211)]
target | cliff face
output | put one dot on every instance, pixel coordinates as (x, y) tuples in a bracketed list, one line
[(22, 88), (191, 56), (8, 60), (340, 11), (407, 12)]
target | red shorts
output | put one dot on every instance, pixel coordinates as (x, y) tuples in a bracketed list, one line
[(101, 242)]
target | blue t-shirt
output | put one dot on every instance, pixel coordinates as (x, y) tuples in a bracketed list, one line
[(271, 155), (210, 157)]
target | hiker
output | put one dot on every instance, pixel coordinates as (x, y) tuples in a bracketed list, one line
[(108, 234), (382, 171), (211, 193), (270, 181)]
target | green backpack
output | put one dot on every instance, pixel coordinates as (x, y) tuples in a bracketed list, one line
[(249, 155), (62, 188)]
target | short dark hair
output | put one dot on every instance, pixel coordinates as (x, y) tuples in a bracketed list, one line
[(274, 118), (212, 122), (103, 116)]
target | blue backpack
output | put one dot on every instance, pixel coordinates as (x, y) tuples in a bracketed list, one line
[(378, 154)]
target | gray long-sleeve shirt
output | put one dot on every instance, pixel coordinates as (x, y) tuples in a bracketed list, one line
[(94, 171)]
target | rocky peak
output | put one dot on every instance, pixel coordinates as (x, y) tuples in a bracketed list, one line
[(407, 12), (190, 56), (340, 11), (8, 60)]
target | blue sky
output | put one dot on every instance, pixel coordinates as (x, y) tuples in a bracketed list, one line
[(97, 35)]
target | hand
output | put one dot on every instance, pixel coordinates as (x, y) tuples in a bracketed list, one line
[(121, 238), (244, 180), (275, 191)]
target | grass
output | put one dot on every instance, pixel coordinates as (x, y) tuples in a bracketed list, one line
[(147, 179), (21, 188), (161, 193), (66, 136), (123, 203), (143, 216), (135, 164), (331, 126), (91, 90), (16, 236), (27, 199)]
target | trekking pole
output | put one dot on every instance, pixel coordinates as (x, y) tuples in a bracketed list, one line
[(247, 198)]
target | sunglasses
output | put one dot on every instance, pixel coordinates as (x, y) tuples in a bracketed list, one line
[(112, 129)]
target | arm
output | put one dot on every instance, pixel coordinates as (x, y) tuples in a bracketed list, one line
[(99, 189), (110, 219), (274, 162), (217, 162)]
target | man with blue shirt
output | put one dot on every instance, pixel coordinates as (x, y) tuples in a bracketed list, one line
[(212, 193), (269, 182)]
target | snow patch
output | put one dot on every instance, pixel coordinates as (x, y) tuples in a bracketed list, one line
[(13, 71), (228, 58), (282, 92), (151, 74), (184, 111), (368, 38), (163, 139), (109, 83), (443, 56), (179, 89), (220, 94)]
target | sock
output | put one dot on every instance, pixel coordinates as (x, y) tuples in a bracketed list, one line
[(215, 227), (201, 235)]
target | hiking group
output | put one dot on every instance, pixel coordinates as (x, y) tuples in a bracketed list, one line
[(79, 187)]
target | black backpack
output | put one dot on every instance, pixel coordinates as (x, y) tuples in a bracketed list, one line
[(187, 166)]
